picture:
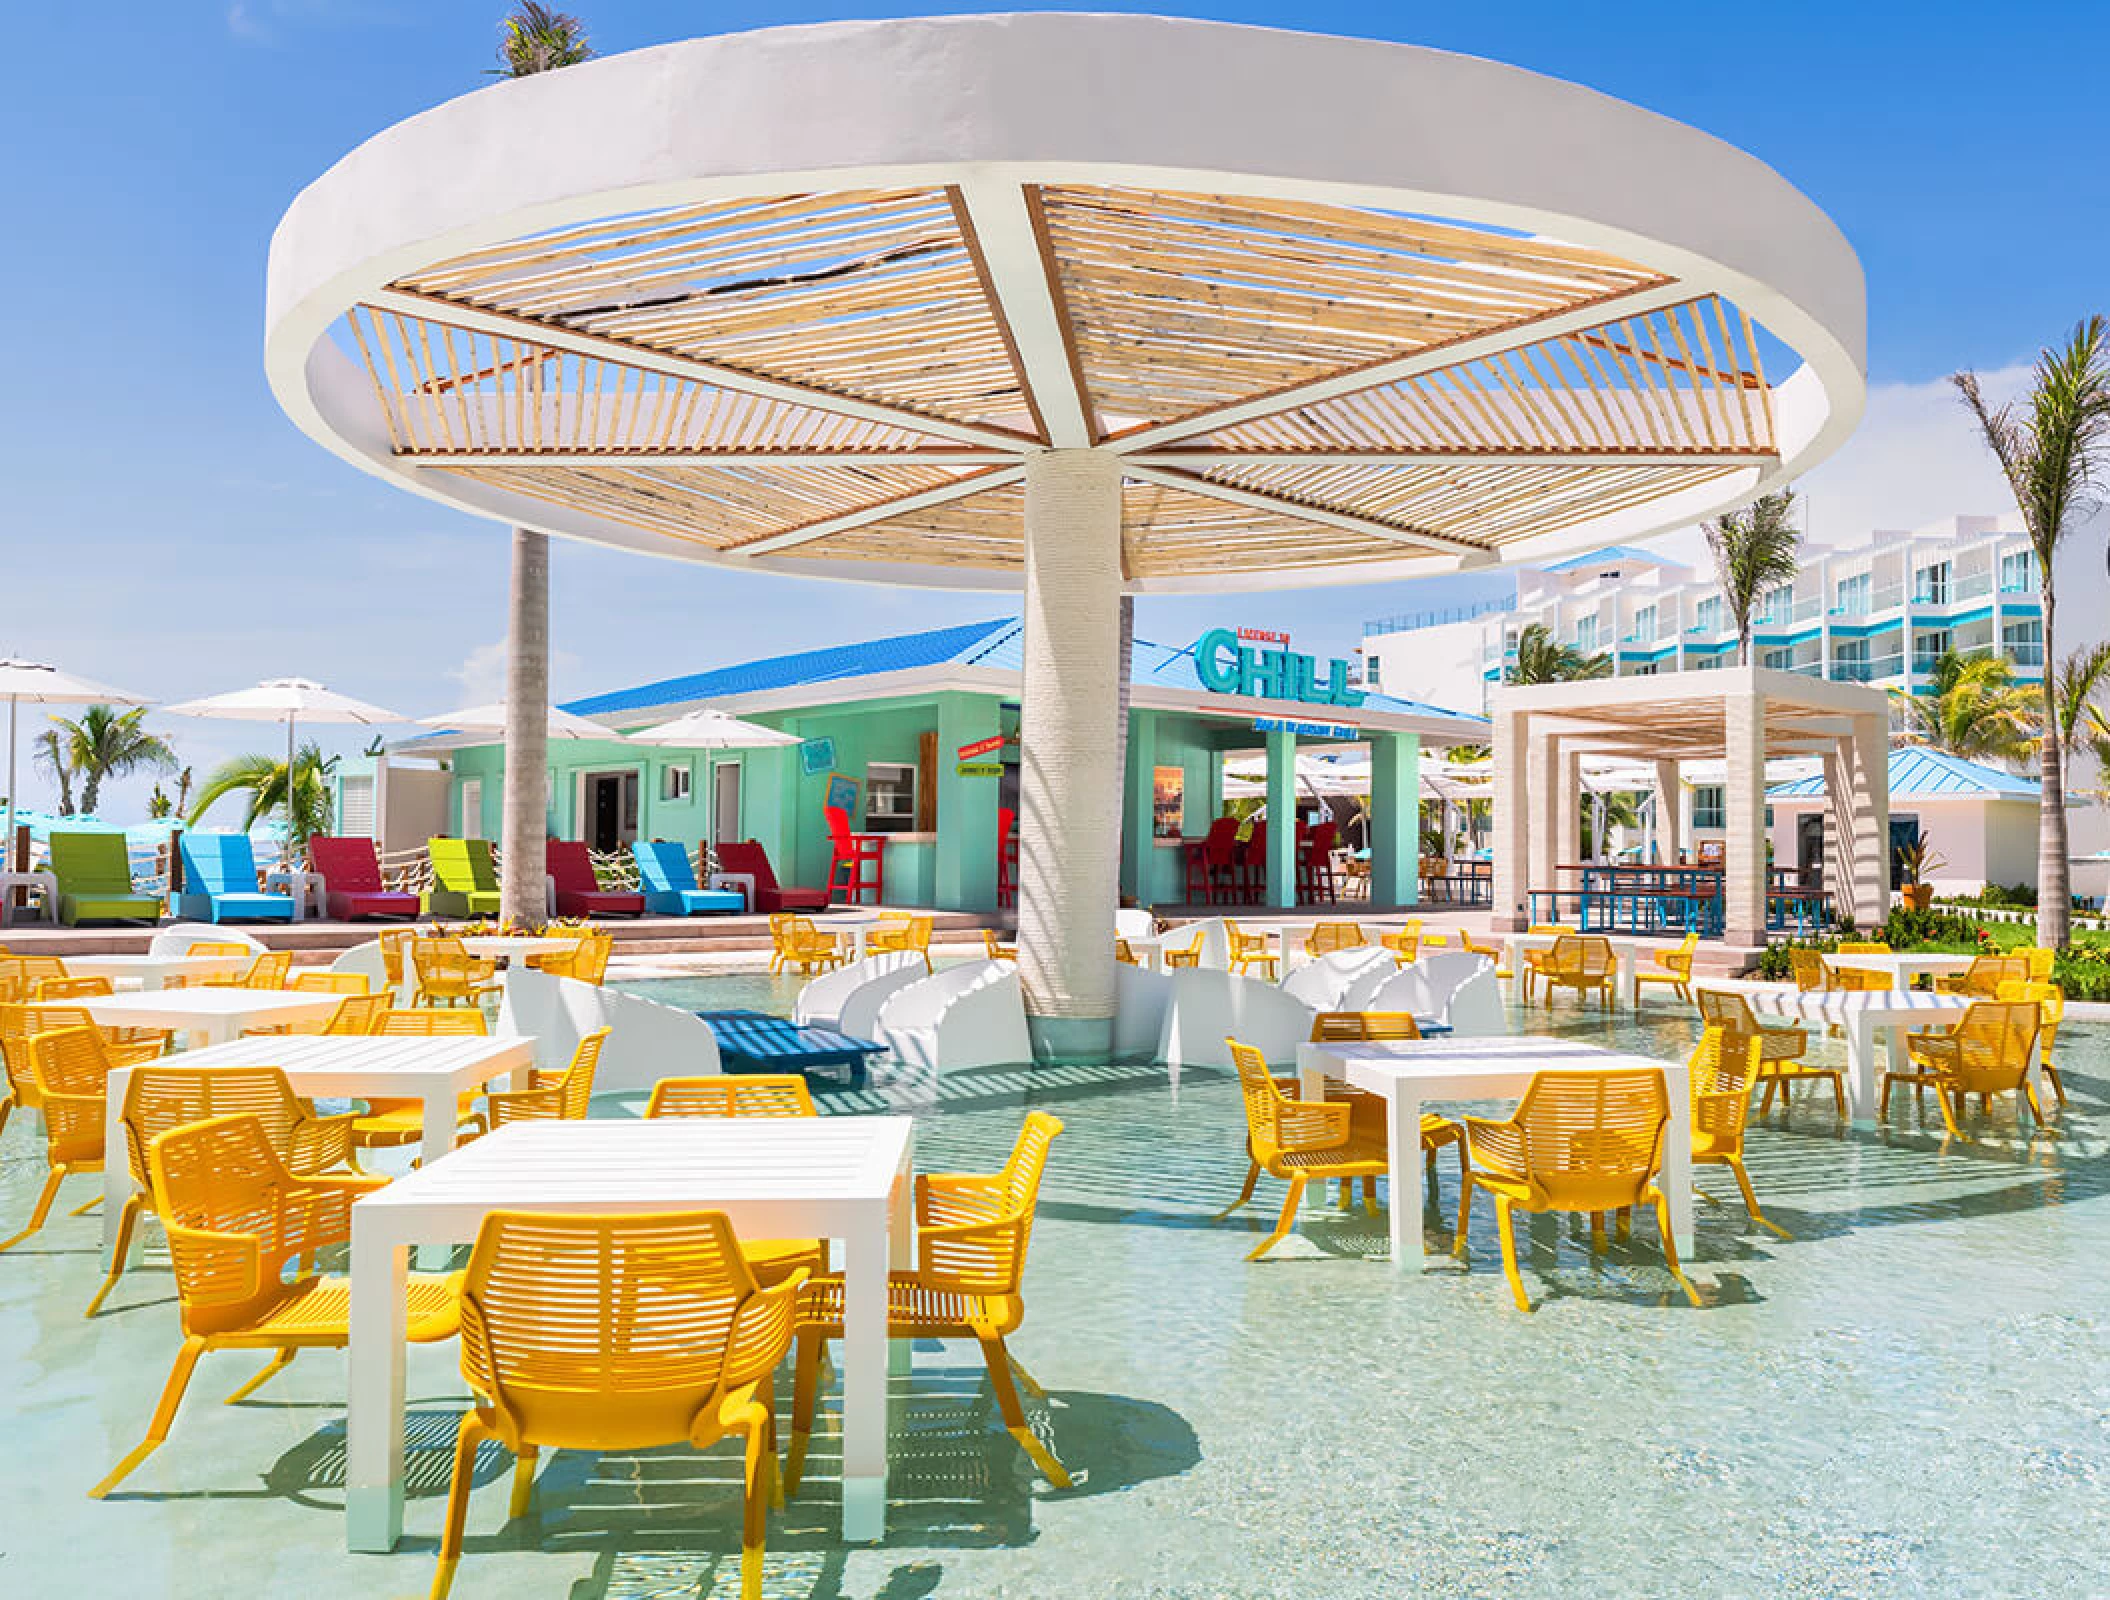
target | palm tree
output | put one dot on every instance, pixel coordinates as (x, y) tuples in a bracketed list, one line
[(1972, 707), (2050, 446), (1541, 658), (263, 779), (2083, 675), (533, 38), (51, 752), (1754, 553), (108, 743)]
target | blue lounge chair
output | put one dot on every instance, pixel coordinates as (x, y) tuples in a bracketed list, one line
[(669, 882), (219, 882)]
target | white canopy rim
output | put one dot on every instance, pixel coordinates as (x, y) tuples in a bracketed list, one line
[(1324, 348)]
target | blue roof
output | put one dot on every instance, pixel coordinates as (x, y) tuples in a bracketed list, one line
[(1611, 552), (997, 646), (1917, 772)]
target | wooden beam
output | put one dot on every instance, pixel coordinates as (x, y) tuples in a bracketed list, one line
[(787, 538), (1008, 240), (1469, 554), (710, 458), (1431, 358), (1200, 458), (623, 352)]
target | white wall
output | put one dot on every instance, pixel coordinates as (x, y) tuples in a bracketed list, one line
[(1440, 665)]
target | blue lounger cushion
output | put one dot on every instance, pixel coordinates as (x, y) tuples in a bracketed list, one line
[(219, 878), (691, 902)]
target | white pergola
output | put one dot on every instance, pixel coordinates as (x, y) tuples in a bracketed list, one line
[(1740, 716), (1073, 304)]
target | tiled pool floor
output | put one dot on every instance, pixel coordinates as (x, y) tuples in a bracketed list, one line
[(1911, 1397)]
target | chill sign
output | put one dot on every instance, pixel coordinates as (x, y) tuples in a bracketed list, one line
[(1228, 667)]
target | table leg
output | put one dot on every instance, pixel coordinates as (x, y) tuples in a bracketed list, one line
[(1629, 987), (442, 1116), (865, 1380), (1677, 1158), (373, 1436), (901, 1255), (1403, 1156), (117, 1167), (1861, 1070)]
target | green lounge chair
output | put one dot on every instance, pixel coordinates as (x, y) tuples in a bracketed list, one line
[(464, 882), (95, 880)]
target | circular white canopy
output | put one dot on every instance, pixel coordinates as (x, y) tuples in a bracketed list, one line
[(803, 299)]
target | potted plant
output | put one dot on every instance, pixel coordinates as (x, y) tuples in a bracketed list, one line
[(1915, 862)]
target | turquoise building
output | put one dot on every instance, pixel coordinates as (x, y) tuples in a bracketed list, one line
[(918, 735)]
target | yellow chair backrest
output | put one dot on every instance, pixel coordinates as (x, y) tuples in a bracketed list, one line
[(359, 1013), (73, 989), (1720, 1008), (442, 965), (728, 1095), (2050, 1001), (1264, 1098), (590, 964), (1243, 943), (1723, 1074), (403, 1021), (71, 1071), (1330, 936), (1988, 973), (615, 1332), (972, 1240), (395, 951), (2041, 962), (995, 947), (1809, 968), (269, 970), (159, 1098), (1123, 954), (1993, 1044), (1591, 1140), (1863, 947), (564, 1096), (1338, 1026), (331, 983)]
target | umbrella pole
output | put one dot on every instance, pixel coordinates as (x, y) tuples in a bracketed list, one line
[(707, 854), (7, 850), (286, 844)]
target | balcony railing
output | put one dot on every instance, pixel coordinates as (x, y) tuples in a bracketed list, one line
[(1873, 669)]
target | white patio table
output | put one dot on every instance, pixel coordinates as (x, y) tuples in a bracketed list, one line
[(1861, 1014), (505, 947), (209, 1016), (841, 1178), (1901, 967), (1626, 953), (1410, 1073), (151, 972), (856, 926), (434, 1070)]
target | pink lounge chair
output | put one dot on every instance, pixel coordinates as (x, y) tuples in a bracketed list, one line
[(352, 883), (578, 894)]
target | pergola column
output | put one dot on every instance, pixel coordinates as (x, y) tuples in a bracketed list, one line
[(1395, 819), (1670, 813), (1568, 797), (1069, 813), (524, 871), (1870, 819), (1512, 819), (1744, 850), (1282, 820)]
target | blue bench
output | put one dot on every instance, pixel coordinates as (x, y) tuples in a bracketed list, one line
[(755, 1041)]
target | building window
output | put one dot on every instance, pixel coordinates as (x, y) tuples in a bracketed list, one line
[(2018, 572), (1586, 635), (1647, 669), (674, 781), (1373, 674), (1707, 617), (2023, 643), (1645, 624), (1708, 808), (1850, 661), (890, 797), (1928, 648), (1851, 596), (1930, 585), (1779, 660), (1775, 605)]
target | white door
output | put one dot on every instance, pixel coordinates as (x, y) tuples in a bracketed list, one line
[(472, 808), (725, 804)]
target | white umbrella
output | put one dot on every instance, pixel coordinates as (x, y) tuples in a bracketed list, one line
[(478, 722), (711, 731), (291, 701), (43, 685)]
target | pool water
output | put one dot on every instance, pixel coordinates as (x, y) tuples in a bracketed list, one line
[(1908, 1398)]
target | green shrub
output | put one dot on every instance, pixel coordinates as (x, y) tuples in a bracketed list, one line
[(1775, 963), (1906, 929), (2083, 972)]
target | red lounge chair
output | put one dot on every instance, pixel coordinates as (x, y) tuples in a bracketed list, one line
[(749, 857), (578, 893), (352, 884)]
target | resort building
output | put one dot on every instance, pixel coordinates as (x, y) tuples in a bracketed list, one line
[(1879, 613), (916, 737)]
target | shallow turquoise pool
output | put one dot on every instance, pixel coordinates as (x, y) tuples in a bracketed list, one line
[(1906, 1399)]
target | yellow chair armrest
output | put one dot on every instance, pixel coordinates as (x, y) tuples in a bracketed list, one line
[(1311, 1124), (1495, 1146), (973, 1257), (320, 1142), (215, 1269), (947, 1198), (760, 1334)]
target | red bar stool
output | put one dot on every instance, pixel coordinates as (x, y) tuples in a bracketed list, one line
[(1006, 857), (858, 866)]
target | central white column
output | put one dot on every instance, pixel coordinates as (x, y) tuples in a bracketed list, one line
[(1069, 807), (523, 895)]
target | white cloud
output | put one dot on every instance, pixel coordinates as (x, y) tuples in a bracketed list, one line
[(482, 673), (244, 23)]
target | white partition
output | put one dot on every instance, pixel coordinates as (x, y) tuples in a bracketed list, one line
[(1455, 987), (859, 1017), (822, 1001), (1206, 1006), (1142, 998), (1325, 982), (972, 1015), (177, 940), (1133, 922), (1361, 993), (1475, 1009), (647, 1041), (1412, 989), (365, 959)]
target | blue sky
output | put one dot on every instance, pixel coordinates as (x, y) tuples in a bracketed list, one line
[(167, 530)]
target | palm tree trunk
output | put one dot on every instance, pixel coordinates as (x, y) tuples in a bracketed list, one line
[(2054, 893), (522, 896)]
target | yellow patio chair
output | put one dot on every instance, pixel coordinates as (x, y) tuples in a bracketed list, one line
[(972, 1232), (1124, 954), (1863, 947), (446, 974), (1404, 941), (1367, 1118), (1250, 950), (557, 963), (1673, 967), (995, 948), (69, 1080), (160, 1096), (237, 1220), (331, 983), (1583, 962), (351, 985), (1783, 1050), (1491, 949), (1187, 955), (589, 963), (57, 991), (1854, 979), (269, 970), (21, 1021), (1536, 962), (224, 949), (1325, 938), (2051, 1012), (1299, 1141), (562, 1096), (1579, 1141), (1723, 1079), (758, 1094), (1812, 975), (799, 942), (610, 1333), (395, 946), (1985, 976), (1985, 1054), (902, 932), (2041, 961), (387, 1123)]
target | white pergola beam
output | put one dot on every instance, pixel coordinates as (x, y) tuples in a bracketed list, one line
[(1454, 353), (770, 544), (707, 458), (998, 220), (1202, 459), (1468, 554), (528, 330)]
